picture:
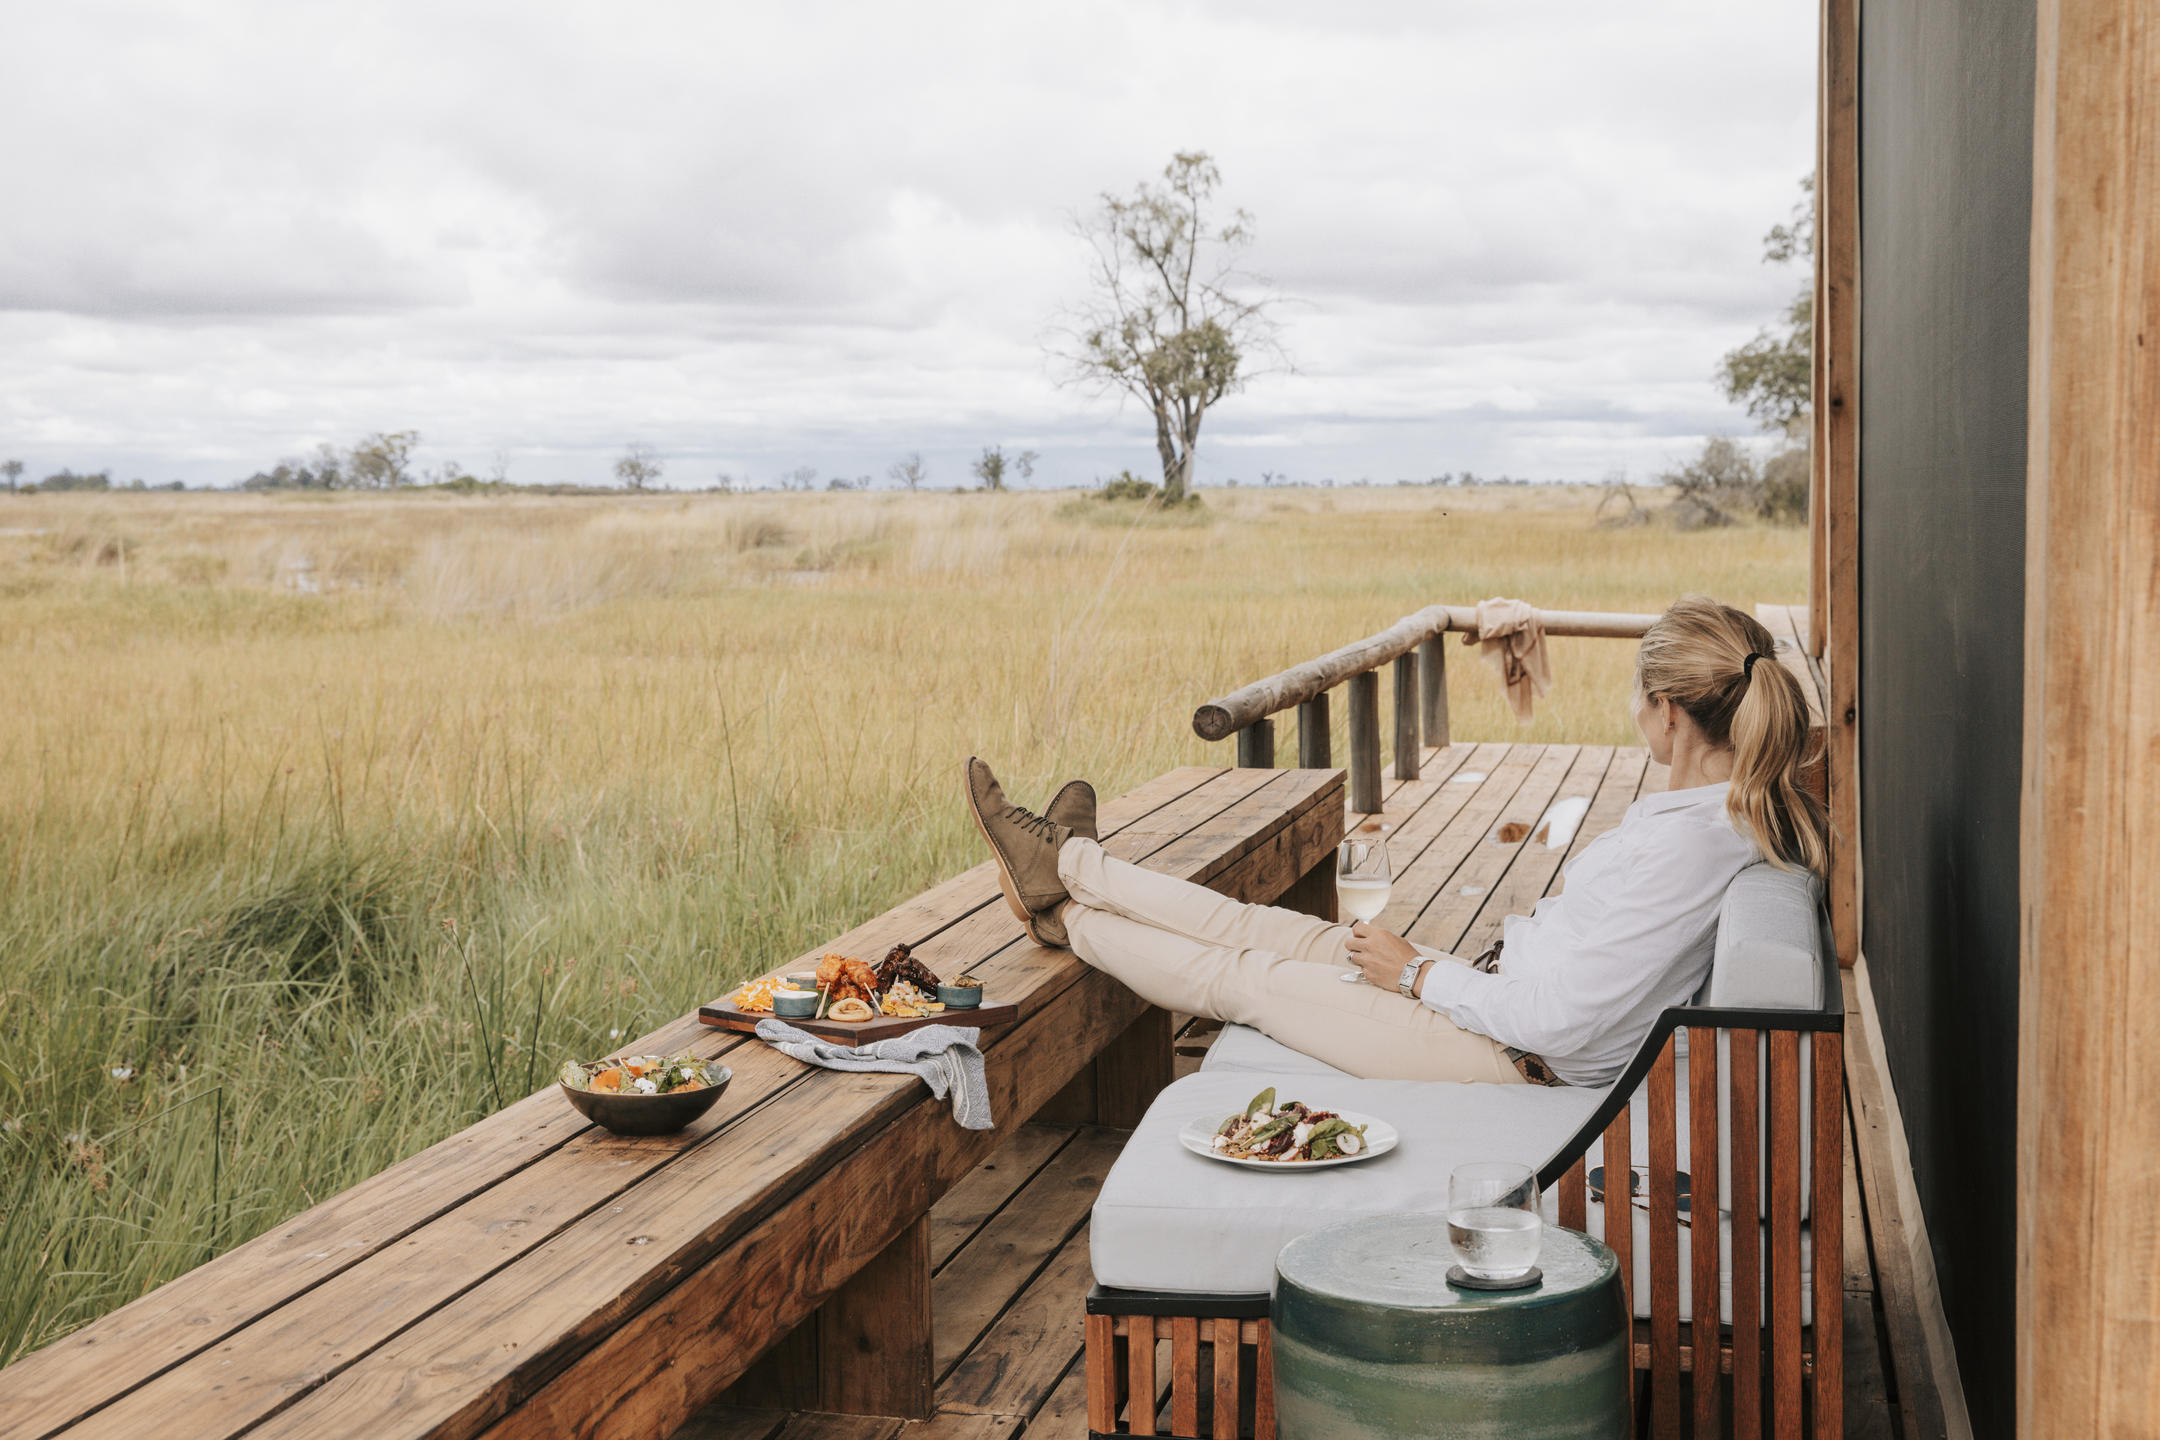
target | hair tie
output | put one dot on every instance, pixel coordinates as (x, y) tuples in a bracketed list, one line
[(1747, 666)]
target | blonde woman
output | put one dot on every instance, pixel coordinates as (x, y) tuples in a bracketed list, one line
[(1571, 990)]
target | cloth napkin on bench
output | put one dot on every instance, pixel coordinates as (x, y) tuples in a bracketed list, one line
[(946, 1057)]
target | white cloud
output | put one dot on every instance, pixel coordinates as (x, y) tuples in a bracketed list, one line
[(1517, 236)]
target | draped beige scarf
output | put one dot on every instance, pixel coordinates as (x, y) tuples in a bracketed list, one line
[(1512, 640)]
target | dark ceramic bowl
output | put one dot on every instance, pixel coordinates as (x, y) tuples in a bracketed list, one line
[(646, 1114)]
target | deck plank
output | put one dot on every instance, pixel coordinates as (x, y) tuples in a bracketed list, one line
[(969, 1205), (999, 1262), (1444, 921), (1020, 1362), (1468, 817)]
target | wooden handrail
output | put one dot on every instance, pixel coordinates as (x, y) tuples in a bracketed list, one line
[(1220, 719)]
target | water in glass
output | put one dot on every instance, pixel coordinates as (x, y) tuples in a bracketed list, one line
[(1493, 1220)]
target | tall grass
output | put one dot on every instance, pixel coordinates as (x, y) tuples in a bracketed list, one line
[(329, 825)]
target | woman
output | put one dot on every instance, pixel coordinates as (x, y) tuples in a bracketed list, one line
[(1572, 989)]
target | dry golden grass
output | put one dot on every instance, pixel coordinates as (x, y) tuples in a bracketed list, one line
[(306, 796)]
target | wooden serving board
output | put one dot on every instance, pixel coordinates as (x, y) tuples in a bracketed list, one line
[(726, 1015)]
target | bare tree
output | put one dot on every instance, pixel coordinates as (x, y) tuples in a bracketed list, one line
[(13, 470), (802, 477), (499, 468), (383, 461), (639, 466), (992, 467), (908, 470), (1166, 323)]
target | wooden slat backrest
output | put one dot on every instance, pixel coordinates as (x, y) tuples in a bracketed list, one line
[(1619, 1214), (1264, 1385), (1574, 1196), (1664, 1246), (63, 1383), (1744, 1084), (1704, 1235), (1785, 1272)]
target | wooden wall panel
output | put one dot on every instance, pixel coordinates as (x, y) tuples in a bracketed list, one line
[(2089, 1049)]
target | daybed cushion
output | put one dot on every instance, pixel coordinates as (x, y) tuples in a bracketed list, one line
[(1167, 1219), (1242, 1048)]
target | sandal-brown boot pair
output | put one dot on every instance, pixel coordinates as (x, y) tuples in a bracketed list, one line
[(1025, 846)]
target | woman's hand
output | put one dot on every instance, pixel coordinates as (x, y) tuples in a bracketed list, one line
[(1379, 955)]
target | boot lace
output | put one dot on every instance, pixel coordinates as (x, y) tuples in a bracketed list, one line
[(1040, 826)]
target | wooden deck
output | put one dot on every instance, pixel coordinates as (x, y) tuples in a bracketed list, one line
[(1471, 845)]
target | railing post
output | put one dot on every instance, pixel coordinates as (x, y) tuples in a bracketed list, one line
[(1364, 692), (1406, 716), (1256, 745), (1315, 746), (1432, 685)]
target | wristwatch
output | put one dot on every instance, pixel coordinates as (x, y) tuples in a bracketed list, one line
[(1407, 981)]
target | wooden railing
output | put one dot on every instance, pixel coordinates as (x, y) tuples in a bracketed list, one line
[(1413, 645)]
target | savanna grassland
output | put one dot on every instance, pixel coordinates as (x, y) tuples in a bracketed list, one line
[(329, 824)]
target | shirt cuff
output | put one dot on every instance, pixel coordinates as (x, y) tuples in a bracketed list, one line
[(1445, 985)]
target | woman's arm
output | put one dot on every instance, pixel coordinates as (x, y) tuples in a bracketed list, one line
[(1381, 957)]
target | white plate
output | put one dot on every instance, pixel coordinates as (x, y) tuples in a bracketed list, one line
[(1380, 1137)]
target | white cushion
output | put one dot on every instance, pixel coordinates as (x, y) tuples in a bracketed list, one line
[(1770, 942), (1167, 1219), (1242, 1048)]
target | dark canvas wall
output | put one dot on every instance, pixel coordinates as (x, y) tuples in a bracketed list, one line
[(1946, 103)]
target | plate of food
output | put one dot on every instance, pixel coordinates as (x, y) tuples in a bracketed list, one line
[(1288, 1135), (850, 999)]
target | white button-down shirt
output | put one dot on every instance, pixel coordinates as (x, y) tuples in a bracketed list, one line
[(1586, 974)]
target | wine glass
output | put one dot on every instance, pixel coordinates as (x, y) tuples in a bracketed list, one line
[(1493, 1219), (1362, 877)]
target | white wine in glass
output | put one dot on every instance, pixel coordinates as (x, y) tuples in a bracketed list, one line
[(1362, 879)]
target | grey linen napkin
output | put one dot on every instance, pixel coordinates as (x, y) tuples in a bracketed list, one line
[(945, 1056)]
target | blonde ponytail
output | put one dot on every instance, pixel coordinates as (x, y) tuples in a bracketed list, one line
[(1697, 655)]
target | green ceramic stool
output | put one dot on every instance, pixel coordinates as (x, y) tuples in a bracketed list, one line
[(1371, 1341)]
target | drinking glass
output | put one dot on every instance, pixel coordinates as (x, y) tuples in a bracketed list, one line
[(1493, 1219), (1362, 878)]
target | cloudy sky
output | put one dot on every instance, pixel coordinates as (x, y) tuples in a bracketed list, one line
[(1512, 237)]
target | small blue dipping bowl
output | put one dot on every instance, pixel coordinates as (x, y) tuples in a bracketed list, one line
[(794, 1004), (960, 997)]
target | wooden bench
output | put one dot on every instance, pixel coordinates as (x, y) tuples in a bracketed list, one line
[(535, 1276)]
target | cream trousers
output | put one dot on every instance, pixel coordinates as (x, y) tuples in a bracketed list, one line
[(1188, 949)]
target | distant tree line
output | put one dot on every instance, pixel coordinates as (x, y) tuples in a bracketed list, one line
[(59, 480)]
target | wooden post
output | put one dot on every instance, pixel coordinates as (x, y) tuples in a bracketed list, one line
[(1406, 716), (1132, 1070), (1432, 685), (2088, 1120), (1364, 692), (1315, 746), (1256, 745), (1837, 422), (874, 1334)]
